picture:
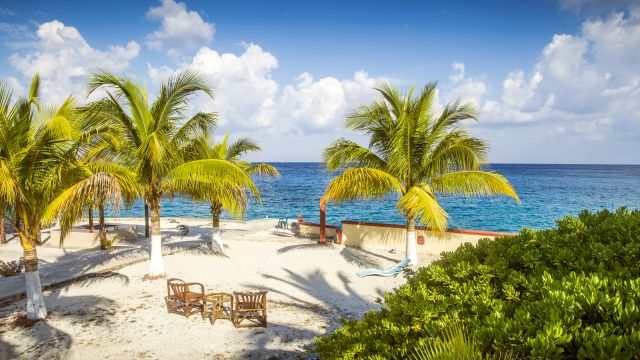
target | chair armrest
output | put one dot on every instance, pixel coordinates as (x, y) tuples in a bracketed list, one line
[(196, 284)]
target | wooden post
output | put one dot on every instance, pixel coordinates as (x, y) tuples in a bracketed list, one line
[(323, 234)]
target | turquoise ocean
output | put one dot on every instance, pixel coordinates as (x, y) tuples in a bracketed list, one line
[(547, 192)]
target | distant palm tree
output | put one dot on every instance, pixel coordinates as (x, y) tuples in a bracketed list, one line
[(153, 133), (104, 184), (38, 162), (232, 199), (415, 154)]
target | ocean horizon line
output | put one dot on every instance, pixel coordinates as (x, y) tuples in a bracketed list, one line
[(489, 163)]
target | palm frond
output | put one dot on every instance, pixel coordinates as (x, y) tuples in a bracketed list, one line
[(474, 183), (420, 203), (200, 122), (241, 147), (196, 178), (262, 169), (100, 188), (345, 153), (361, 183), (175, 92)]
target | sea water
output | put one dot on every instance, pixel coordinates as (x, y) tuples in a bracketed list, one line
[(547, 193)]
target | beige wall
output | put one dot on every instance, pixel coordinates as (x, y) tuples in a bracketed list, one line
[(313, 231), (87, 240), (383, 238)]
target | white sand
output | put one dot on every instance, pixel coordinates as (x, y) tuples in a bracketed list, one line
[(123, 316)]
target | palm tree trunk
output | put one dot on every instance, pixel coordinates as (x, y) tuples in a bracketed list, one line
[(36, 307), (411, 241), (102, 234), (90, 213), (216, 239), (3, 230), (146, 219), (156, 264), (38, 233)]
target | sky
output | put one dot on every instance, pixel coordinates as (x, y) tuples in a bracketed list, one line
[(554, 81)]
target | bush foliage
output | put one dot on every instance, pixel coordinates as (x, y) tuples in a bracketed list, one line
[(11, 268), (568, 292)]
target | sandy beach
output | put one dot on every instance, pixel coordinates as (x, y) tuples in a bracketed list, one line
[(121, 315)]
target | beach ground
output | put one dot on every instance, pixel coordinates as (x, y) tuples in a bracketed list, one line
[(121, 315)]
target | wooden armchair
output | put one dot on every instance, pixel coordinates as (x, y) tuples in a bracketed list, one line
[(185, 298), (252, 307)]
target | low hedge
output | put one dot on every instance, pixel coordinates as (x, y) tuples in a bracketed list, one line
[(568, 292)]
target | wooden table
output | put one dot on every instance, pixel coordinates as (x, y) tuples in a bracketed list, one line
[(217, 301)]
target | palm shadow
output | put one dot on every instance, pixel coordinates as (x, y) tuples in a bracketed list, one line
[(43, 340), (327, 301), (86, 263)]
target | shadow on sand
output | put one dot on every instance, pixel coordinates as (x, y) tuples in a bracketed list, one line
[(44, 341), (321, 297)]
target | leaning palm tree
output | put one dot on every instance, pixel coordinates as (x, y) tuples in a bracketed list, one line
[(34, 170), (102, 184), (152, 134), (414, 154), (231, 198)]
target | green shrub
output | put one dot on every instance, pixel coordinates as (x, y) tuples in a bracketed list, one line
[(568, 292), (107, 244), (11, 268)]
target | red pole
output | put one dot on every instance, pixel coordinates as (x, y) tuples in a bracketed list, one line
[(323, 207)]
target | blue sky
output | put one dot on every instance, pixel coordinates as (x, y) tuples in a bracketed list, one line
[(555, 81)]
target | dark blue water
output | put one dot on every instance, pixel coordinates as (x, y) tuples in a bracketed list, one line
[(547, 192)]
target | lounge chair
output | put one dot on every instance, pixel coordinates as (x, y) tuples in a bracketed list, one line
[(185, 298), (252, 307), (392, 271)]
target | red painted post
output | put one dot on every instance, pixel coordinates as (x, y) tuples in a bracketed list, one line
[(323, 207)]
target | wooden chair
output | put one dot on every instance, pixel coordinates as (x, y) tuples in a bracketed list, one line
[(252, 307), (183, 300)]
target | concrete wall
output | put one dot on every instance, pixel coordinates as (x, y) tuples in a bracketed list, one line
[(312, 231), (384, 237), (83, 239)]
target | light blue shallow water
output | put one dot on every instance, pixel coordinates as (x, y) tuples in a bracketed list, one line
[(548, 193)]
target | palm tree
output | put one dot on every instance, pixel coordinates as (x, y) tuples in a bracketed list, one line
[(414, 154), (233, 199), (152, 134), (104, 184), (39, 145)]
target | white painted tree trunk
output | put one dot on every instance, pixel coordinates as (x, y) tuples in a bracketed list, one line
[(216, 243), (412, 252), (156, 263), (36, 308)]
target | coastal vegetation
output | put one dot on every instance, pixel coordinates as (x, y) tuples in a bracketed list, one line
[(39, 144), (152, 136), (568, 292), (415, 154)]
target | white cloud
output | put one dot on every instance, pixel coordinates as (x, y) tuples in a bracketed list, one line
[(311, 106), (179, 30), (587, 84), (247, 98), (463, 88), (14, 84), (64, 60)]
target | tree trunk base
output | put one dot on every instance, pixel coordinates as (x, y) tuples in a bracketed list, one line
[(216, 243), (36, 308), (412, 252), (156, 263)]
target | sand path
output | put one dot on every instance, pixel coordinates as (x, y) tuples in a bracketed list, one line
[(121, 315)]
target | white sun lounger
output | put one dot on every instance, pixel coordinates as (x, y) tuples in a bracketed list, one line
[(392, 271)]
